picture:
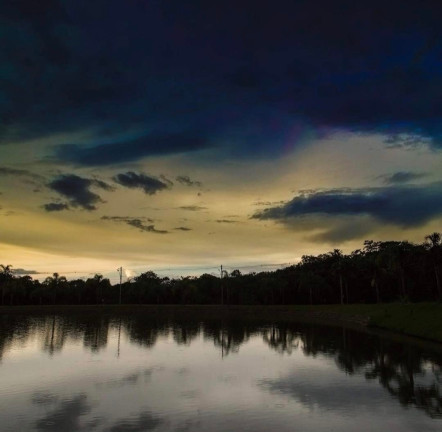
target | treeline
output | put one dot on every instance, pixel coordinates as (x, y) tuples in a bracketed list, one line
[(379, 272)]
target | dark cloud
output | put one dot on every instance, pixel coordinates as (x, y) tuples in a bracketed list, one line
[(119, 152), (182, 228), (185, 180), (145, 421), (401, 177), (42, 21), (66, 415), (150, 185), (23, 272), (193, 208), (404, 206), (77, 190), (173, 68), (136, 222), (54, 207), (166, 180), (227, 221), (6, 171)]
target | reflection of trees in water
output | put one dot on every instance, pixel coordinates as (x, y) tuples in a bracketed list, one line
[(409, 373), (406, 372), (184, 334), (96, 333), (281, 338), (13, 330), (54, 336), (144, 332), (228, 337)]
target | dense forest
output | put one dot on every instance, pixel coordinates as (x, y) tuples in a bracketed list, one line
[(382, 271)]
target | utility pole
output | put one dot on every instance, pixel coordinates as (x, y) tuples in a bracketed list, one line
[(120, 270), (223, 273)]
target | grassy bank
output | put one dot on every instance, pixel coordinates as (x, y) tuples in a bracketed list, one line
[(423, 320)]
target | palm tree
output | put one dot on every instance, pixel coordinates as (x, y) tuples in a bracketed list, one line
[(338, 268), (98, 278), (433, 242), (6, 275), (54, 282)]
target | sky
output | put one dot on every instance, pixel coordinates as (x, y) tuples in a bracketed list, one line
[(178, 136)]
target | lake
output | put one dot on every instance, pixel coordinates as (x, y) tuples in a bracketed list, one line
[(135, 372)]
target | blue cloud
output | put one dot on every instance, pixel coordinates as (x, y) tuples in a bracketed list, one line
[(119, 152), (405, 206), (77, 190), (175, 67)]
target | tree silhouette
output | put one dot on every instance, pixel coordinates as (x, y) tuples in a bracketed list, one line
[(434, 244), (6, 277), (53, 283), (381, 271)]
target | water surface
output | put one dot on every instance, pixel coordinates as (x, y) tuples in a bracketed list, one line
[(98, 372)]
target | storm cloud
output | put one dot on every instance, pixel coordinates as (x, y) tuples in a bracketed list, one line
[(77, 190), (150, 185), (126, 151), (347, 68), (405, 206)]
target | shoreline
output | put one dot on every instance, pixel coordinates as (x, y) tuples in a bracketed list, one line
[(421, 320)]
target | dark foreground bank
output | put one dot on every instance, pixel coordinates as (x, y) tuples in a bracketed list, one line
[(423, 320)]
